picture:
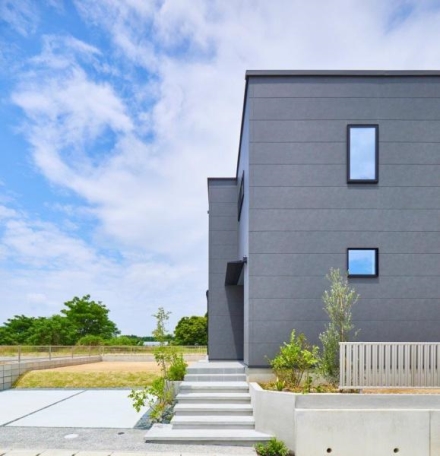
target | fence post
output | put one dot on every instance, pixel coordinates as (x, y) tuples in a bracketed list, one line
[(50, 352), (73, 347), (19, 354), (341, 366)]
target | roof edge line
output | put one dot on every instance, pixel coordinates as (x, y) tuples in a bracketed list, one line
[(377, 73)]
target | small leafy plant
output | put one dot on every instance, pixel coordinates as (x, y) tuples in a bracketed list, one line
[(294, 360), (160, 394), (177, 368), (273, 447)]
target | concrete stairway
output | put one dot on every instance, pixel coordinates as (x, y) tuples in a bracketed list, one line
[(214, 406)]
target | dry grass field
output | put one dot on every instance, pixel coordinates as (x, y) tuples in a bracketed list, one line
[(95, 375)]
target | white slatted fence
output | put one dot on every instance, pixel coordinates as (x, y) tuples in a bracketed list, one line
[(389, 364)]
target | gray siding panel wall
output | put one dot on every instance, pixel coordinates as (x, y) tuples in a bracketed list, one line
[(303, 214), (225, 304), (243, 225)]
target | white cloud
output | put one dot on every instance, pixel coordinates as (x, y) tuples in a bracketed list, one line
[(148, 193), (21, 15)]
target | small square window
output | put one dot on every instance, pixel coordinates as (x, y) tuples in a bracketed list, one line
[(363, 262), (240, 196), (362, 154)]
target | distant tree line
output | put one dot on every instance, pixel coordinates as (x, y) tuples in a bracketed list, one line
[(86, 322), (79, 319)]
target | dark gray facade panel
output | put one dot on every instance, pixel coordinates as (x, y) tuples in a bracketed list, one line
[(217, 281), (411, 153), (318, 264), (228, 252), (225, 352), (271, 332), (400, 309), (217, 266), (378, 330), (405, 309), (343, 219), (335, 153), (299, 131), (276, 309), (227, 307), (332, 175), (356, 197), (223, 238), (355, 109), (335, 130), (222, 194), (297, 175), (222, 223), (260, 353), (342, 87), (225, 304), (223, 210), (406, 175), (303, 216), (288, 287), (297, 153), (398, 331), (296, 265), (283, 242), (226, 332)]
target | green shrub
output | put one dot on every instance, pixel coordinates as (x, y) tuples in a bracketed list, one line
[(177, 368), (91, 340), (159, 396), (294, 360), (273, 447)]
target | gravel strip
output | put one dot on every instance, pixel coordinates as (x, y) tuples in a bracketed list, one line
[(121, 440)]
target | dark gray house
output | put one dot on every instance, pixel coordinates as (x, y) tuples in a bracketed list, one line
[(335, 169)]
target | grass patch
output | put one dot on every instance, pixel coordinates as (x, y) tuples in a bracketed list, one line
[(52, 379)]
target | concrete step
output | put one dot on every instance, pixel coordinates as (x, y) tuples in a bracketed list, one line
[(213, 422), (211, 387), (165, 433), (213, 398), (216, 368), (215, 378), (190, 409)]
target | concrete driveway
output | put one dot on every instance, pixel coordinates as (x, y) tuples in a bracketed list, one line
[(68, 408)]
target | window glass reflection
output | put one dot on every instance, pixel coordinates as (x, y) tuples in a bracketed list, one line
[(362, 153), (362, 262)]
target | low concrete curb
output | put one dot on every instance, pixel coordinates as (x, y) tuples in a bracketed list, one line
[(6, 452)]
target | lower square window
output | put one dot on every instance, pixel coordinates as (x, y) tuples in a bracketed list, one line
[(363, 262)]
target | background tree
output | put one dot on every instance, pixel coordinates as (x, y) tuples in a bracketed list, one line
[(191, 331), (17, 330), (337, 304), (55, 330), (89, 318)]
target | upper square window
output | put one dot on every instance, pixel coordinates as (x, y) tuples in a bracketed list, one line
[(363, 262), (362, 154), (240, 196)]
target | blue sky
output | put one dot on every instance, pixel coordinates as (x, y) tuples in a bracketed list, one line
[(114, 113)]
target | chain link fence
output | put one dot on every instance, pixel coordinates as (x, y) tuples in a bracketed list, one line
[(19, 353)]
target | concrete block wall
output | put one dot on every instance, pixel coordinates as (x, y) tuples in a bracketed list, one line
[(350, 424), (10, 372)]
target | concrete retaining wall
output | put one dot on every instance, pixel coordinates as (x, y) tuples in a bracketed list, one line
[(350, 424), (10, 372)]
